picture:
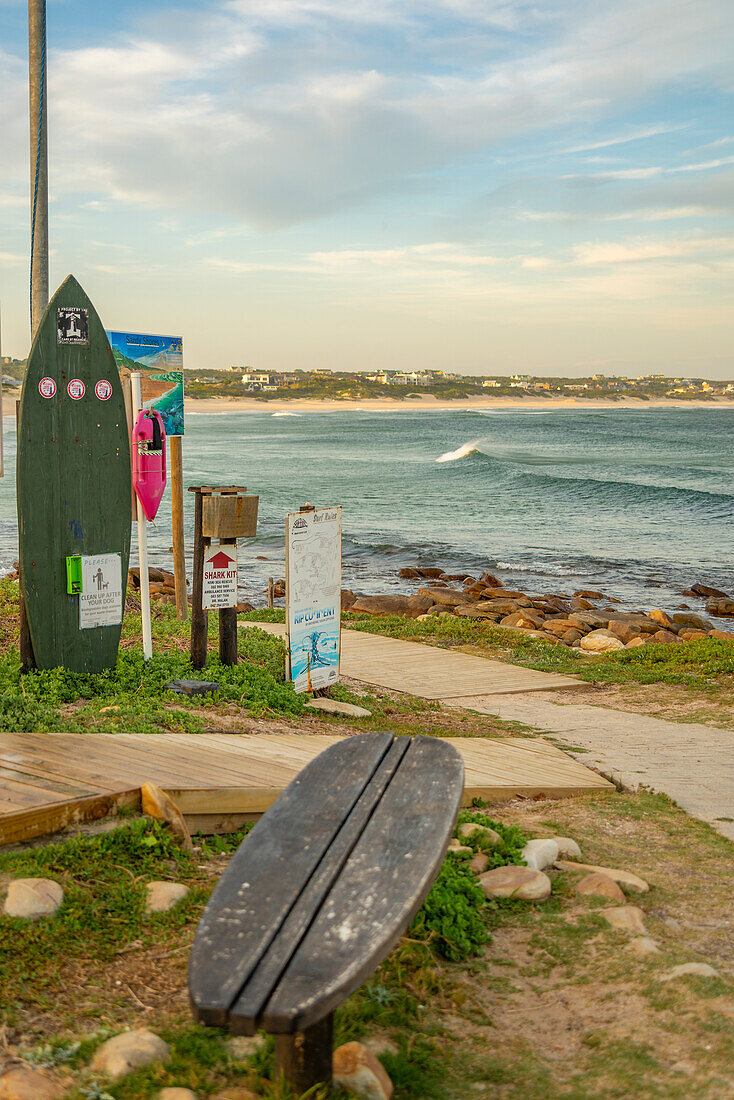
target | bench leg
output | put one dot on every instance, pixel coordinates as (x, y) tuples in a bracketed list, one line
[(305, 1059)]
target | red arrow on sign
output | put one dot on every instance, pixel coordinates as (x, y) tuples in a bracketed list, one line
[(220, 560)]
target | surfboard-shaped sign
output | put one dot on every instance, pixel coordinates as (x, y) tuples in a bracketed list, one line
[(149, 460), (73, 481)]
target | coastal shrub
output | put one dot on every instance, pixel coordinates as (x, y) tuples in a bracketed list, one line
[(451, 918)]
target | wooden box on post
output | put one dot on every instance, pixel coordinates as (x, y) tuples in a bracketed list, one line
[(226, 513)]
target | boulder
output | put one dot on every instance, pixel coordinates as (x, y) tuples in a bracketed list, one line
[(454, 577), (458, 848), (522, 883), (490, 580), (129, 1051), (498, 607), (600, 641), (601, 885), (163, 896), (638, 641), (335, 706), (623, 631), (689, 618), (690, 635), (567, 847), (722, 608), (479, 863), (704, 591), (589, 620), (279, 589), (521, 600), (176, 1094), (578, 604), (635, 619), (588, 594), (560, 626), (627, 918), (524, 620), (643, 945), (627, 879), (32, 898), (572, 637), (700, 970), (385, 605), (722, 635), (663, 637), (429, 573), (475, 613), (408, 574), (357, 1070), (348, 599), (420, 603), (540, 854), (446, 597), (659, 616), (243, 606), (24, 1083), (475, 591)]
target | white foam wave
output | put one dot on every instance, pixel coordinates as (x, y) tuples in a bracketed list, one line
[(286, 414), (538, 567), (461, 452)]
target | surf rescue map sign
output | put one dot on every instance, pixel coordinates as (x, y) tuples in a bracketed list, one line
[(100, 602), (313, 562), (220, 577)]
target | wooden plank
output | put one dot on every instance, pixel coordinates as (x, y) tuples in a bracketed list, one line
[(381, 887), (26, 824), (249, 902)]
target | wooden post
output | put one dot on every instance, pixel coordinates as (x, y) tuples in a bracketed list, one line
[(270, 591), (228, 624), (305, 1059), (179, 551), (199, 617)]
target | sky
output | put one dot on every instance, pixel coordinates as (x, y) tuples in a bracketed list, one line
[(481, 186)]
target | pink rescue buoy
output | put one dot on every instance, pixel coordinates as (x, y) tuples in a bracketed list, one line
[(149, 460)]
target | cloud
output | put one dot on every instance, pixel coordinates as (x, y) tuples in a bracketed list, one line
[(619, 252), (640, 134)]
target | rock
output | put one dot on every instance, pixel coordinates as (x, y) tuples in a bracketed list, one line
[(454, 577), (23, 1083), (626, 878), (469, 828), (162, 896), (479, 863), (722, 608), (704, 590), (664, 637), (129, 1051), (409, 574), (623, 631), (643, 945), (600, 641), (32, 898), (446, 597), (236, 1092), (490, 580), (540, 854), (659, 616), (242, 607), (722, 635), (524, 619), (459, 848), (596, 883), (635, 619), (348, 599), (579, 604), (430, 573), (628, 918), (334, 706), (588, 594), (591, 620), (157, 804), (691, 635), (489, 836), (279, 589), (193, 687), (498, 607), (357, 1069), (572, 637), (176, 1094), (701, 970), (474, 591), (244, 1046), (688, 618), (475, 613), (507, 594), (522, 883), (420, 603), (567, 847), (561, 626), (384, 605), (635, 642)]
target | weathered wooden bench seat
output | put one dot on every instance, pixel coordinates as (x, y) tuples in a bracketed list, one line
[(321, 890)]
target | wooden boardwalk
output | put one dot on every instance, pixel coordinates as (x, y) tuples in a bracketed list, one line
[(429, 672), (48, 781)]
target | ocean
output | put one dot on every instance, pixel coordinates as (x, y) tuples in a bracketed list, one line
[(635, 502)]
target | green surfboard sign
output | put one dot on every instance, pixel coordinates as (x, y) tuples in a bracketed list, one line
[(73, 488)]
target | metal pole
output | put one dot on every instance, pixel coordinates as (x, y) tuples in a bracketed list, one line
[(39, 160), (142, 539)]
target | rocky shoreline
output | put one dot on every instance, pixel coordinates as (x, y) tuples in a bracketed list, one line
[(586, 620)]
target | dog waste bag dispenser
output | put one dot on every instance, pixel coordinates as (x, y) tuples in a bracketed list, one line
[(149, 460)]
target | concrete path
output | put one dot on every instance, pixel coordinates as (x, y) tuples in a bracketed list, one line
[(691, 763)]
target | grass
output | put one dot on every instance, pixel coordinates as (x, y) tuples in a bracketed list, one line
[(705, 663)]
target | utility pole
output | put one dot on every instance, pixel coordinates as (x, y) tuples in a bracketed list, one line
[(39, 160)]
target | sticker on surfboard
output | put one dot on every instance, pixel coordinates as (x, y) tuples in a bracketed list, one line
[(76, 389), (72, 326), (103, 389), (47, 387)]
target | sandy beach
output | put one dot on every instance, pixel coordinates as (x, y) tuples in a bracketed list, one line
[(423, 403)]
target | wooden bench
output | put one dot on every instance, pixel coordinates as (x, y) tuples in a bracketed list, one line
[(321, 890)]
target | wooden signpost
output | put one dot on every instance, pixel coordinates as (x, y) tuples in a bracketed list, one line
[(73, 481), (224, 513)]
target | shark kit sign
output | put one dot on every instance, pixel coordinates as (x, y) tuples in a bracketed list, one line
[(220, 577)]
